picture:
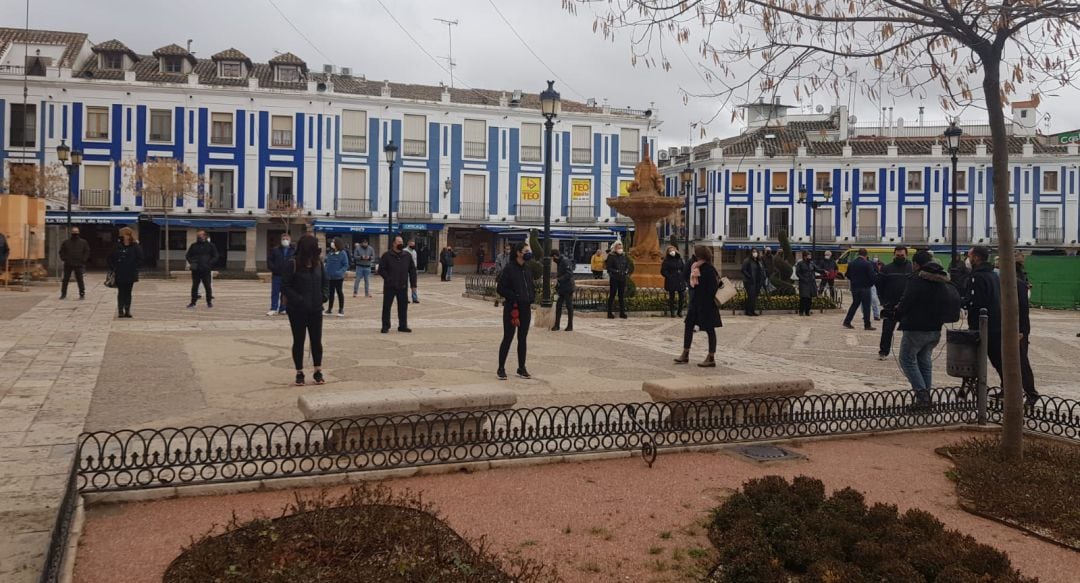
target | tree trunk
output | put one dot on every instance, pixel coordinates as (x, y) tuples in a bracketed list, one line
[(1013, 420)]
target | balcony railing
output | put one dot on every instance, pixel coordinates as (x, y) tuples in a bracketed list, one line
[(776, 228), (353, 207), (581, 213), (218, 202), (1049, 235), (354, 143), (95, 198), (867, 233), (915, 235), (282, 204), (530, 213), (414, 148), (475, 150), (474, 211), (414, 209), (629, 157), (701, 231), (281, 138), (531, 154), (21, 70), (738, 231), (581, 156), (963, 234), (993, 234), (824, 232)]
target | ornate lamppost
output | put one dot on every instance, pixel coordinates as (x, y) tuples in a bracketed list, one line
[(71, 159), (952, 139), (390, 149), (550, 106), (687, 176), (826, 192)]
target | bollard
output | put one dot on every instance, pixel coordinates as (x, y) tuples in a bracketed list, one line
[(980, 386)]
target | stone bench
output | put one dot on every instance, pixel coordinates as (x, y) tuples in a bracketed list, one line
[(464, 409), (729, 387)]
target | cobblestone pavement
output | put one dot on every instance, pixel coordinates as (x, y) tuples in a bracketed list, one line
[(66, 366)]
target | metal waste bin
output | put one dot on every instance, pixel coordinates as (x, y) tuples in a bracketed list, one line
[(962, 353)]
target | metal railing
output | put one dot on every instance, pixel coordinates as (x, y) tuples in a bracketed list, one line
[(354, 143), (282, 204), (20, 70), (993, 234), (53, 569), (581, 213), (629, 157), (776, 228), (219, 202), (353, 207), (414, 148), (867, 234), (824, 232), (915, 235), (963, 234), (531, 154), (414, 209), (738, 231), (701, 231), (95, 198), (281, 138), (475, 150), (530, 213), (581, 156), (1049, 235), (474, 211)]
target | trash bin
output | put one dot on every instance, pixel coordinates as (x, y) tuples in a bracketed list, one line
[(962, 353)]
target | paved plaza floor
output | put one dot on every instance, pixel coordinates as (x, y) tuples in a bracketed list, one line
[(69, 366)]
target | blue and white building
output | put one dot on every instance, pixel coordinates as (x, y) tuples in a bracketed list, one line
[(283, 147), (889, 181)]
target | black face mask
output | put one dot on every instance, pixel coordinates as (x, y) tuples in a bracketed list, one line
[(399, 246), (74, 235)]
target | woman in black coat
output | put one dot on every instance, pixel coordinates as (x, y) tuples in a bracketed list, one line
[(124, 263), (805, 272), (306, 288), (673, 270), (518, 292), (703, 312)]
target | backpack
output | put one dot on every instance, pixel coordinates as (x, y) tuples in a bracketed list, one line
[(950, 304)]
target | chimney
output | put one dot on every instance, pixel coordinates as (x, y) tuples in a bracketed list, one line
[(385, 91), (980, 149), (922, 111), (842, 111)]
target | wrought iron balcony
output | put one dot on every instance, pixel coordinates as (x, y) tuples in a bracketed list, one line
[(353, 207), (824, 232), (868, 233), (738, 231), (283, 204), (629, 157), (701, 231), (581, 156), (414, 148), (95, 198), (963, 234), (1049, 235), (581, 213), (994, 234), (354, 143), (475, 150), (474, 211), (917, 234), (531, 154), (530, 213), (414, 209), (776, 228), (218, 202)]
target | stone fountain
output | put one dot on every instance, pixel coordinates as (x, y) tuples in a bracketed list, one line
[(646, 205)]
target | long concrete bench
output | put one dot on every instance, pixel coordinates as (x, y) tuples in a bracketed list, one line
[(734, 387), (467, 408)]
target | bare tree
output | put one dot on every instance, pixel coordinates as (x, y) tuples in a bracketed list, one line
[(907, 46), (163, 183), (45, 181)]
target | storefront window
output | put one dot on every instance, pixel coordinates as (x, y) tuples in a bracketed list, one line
[(237, 241)]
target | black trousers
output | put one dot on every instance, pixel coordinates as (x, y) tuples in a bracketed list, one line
[(616, 287), (688, 337), (1027, 375), (859, 297), (751, 301), (888, 326), (402, 297), (201, 276), (306, 324), (805, 304), (123, 296), (565, 301), (827, 282), (78, 271), (671, 300), (336, 285), (522, 331)]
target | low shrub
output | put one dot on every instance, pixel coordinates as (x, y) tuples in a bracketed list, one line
[(774, 531), (778, 302)]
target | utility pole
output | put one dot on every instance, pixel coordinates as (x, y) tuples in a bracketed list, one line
[(450, 24)]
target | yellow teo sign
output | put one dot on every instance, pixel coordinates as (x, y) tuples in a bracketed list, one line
[(580, 189), (624, 187), (530, 188)]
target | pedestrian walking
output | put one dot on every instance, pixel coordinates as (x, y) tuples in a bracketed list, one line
[(891, 282), (1027, 375), (875, 302), (501, 261), (922, 311), (363, 257), (673, 269), (984, 292), (703, 311), (398, 272), (446, 259), (336, 266), (74, 253), (416, 267), (596, 264), (960, 272), (829, 271), (861, 276), (124, 262), (278, 259), (618, 268), (480, 256), (805, 272), (753, 277), (201, 257), (518, 291), (564, 286), (306, 286)]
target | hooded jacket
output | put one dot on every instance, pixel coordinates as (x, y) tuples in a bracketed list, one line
[(565, 276), (304, 290), (673, 269), (892, 281), (919, 309)]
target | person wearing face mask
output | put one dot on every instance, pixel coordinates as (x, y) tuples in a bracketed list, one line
[(74, 253), (564, 286), (398, 271), (411, 250), (753, 276), (890, 284), (618, 268), (702, 312), (201, 257), (804, 272), (673, 269), (828, 269), (959, 273), (363, 256), (336, 264), (277, 261), (518, 292)]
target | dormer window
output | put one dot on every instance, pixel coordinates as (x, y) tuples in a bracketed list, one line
[(231, 70), (172, 64), (112, 61), (287, 74)]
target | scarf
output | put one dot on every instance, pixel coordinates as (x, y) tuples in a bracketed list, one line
[(695, 273)]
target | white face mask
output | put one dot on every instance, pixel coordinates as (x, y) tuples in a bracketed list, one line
[(671, 254), (828, 256), (284, 242), (754, 255)]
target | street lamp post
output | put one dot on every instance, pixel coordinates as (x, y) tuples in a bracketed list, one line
[(688, 185), (71, 159), (826, 192), (952, 137), (550, 106), (390, 149)]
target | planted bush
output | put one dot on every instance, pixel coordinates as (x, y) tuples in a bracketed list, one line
[(774, 531)]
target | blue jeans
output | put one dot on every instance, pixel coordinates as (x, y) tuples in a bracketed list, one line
[(859, 298), (875, 304), (365, 273), (917, 360), (275, 294), (415, 296)]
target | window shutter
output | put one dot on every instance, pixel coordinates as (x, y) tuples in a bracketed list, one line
[(531, 135), (629, 140), (413, 183), (281, 123), (354, 123), (96, 177), (582, 135), (353, 183), (415, 126), (475, 188), (475, 130)]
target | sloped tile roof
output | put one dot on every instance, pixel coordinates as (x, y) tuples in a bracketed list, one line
[(115, 46), (231, 54), (289, 59), (72, 41)]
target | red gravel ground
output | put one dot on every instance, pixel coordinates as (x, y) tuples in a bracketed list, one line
[(613, 520)]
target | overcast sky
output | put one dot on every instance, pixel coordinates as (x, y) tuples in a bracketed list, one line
[(360, 34)]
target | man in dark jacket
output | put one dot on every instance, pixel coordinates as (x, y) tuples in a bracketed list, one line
[(959, 272), (398, 271), (201, 257), (861, 276), (564, 286), (920, 314), (74, 252), (1027, 375), (890, 285), (753, 277), (984, 292), (673, 269), (618, 268), (277, 262)]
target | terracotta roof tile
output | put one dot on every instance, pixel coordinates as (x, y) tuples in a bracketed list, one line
[(115, 46), (231, 54), (73, 41), (288, 59)]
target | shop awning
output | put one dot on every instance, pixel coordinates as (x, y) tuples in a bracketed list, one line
[(200, 223), (59, 217), (582, 234), (369, 228)]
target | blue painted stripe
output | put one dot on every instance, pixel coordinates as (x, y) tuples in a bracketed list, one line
[(433, 167), (515, 170), (457, 165), (318, 167), (493, 164), (52, 111)]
